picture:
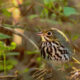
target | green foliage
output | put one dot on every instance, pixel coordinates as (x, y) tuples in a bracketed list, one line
[(32, 52), (26, 70), (12, 54), (33, 16), (11, 26), (9, 64), (4, 50), (44, 13), (4, 36), (49, 3), (6, 12), (38, 59), (68, 11), (49, 21), (75, 37), (1, 67), (57, 10)]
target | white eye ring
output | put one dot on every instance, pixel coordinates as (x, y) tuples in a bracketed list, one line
[(49, 33)]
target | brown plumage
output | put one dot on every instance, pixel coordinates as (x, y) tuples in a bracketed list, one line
[(55, 46)]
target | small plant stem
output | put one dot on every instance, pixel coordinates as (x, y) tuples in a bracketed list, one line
[(4, 55)]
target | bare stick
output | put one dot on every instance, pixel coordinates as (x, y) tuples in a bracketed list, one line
[(8, 76), (20, 34)]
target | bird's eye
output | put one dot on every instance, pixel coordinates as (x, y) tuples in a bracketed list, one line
[(49, 33)]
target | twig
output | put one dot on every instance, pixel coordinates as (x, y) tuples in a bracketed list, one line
[(20, 34), (8, 76), (42, 5), (30, 7)]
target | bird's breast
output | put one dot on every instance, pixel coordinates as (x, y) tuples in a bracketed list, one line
[(53, 51)]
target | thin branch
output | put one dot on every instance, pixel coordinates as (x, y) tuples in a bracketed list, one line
[(42, 5), (8, 76), (20, 34), (30, 7)]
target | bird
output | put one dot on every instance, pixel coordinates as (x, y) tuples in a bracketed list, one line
[(55, 46)]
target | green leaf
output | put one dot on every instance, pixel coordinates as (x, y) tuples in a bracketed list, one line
[(9, 67), (26, 70), (12, 53), (44, 13), (31, 52), (12, 62), (49, 21), (6, 12), (13, 45), (11, 26), (68, 11), (48, 1), (33, 16), (75, 37), (1, 67), (8, 25), (4, 36), (39, 59)]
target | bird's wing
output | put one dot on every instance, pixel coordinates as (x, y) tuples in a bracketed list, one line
[(62, 39)]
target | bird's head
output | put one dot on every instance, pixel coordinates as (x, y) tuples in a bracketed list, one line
[(52, 35), (47, 35)]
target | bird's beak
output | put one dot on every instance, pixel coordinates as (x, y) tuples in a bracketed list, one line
[(40, 34)]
